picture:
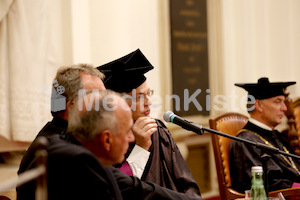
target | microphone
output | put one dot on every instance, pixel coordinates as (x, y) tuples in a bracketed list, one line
[(186, 124), (190, 126)]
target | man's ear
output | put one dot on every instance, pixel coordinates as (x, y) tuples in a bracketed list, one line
[(105, 139), (70, 104), (129, 102), (258, 105)]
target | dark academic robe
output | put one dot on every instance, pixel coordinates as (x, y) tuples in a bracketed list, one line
[(166, 166), (243, 156), (55, 127), (75, 173)]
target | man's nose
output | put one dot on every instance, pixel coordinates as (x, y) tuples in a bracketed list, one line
[(148, 101), (283, 107)]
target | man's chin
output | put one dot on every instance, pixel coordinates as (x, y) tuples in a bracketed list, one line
[(121, 159), (277, 123)]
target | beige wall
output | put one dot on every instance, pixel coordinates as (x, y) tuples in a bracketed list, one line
[(247, 40), (260, 38)]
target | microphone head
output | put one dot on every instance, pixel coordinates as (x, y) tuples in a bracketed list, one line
[(167, 116)]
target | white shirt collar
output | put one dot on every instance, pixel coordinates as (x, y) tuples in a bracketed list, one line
[(258, 123)]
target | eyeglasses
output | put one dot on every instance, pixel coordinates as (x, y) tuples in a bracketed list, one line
[(142, 97)]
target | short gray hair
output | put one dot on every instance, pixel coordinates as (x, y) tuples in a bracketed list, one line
[(69, 78), (86, 125)]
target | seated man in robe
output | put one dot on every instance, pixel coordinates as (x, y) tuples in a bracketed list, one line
[(154, 156), (68, 80), (266, 111), (79, 160)]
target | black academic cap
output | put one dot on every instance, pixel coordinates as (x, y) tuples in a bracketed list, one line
[(126, 73), (263, 89)]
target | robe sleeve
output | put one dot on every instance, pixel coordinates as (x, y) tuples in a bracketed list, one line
[(182, 176), (134, 187)]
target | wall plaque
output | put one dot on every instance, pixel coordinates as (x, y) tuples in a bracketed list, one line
[(189, 51)]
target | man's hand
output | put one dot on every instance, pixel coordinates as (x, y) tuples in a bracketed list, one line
[(142, 129)]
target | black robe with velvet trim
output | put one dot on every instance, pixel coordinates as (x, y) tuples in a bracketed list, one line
[(243, 156), (166, 166)]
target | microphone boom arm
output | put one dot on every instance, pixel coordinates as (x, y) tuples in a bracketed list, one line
[(199, 129), (257, 144)]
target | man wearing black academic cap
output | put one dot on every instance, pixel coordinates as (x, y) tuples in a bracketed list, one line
[(154, 157), (266, 113)]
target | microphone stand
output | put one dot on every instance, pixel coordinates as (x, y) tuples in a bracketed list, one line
[(256, 144), (199, 129), (265, 148)]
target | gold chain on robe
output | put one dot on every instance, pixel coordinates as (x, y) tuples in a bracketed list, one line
[(289, 160)]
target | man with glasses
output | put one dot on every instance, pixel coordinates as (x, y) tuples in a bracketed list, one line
[(154, 156)]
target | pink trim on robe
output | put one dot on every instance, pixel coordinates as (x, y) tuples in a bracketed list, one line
[(295, 185), (125, 168)]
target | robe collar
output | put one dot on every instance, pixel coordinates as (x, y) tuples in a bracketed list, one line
[(259, 124)]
